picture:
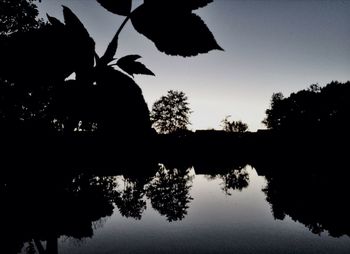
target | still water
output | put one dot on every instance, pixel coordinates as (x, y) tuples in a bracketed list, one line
[(181, 211)]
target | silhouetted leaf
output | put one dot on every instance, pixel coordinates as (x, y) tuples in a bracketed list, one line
[(73, 23), (180, 4), (130, 66), (129, 58), (120, 7), (195, 4), (54, 21), (175, 33), (81, 45)]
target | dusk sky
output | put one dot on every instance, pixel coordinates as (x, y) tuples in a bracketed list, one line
[(270, 46)]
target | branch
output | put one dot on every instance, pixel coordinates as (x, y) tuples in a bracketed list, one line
[(113, 45)]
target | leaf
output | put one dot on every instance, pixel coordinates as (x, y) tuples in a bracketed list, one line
[(54, 21), (174, 32), (120, 7), (129, 58), (129, 65), (195, 4), (73, 23), (180, 4), (81, 46)]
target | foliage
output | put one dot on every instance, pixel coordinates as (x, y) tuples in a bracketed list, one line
[(234, 126), (130, 66), (120, 7), (18, 16), (171, 112), (173, 28), (36, 93), (316, 108)]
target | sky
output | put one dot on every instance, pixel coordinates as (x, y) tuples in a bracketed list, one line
[(270, 46)]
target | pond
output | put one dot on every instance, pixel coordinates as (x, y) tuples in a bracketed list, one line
[(181, 210)]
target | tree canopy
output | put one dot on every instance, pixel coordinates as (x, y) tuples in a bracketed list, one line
[(234, 126), (171, 112), (18, 16), (315, 108)]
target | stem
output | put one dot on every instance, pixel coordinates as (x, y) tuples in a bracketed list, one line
[(113, 45)]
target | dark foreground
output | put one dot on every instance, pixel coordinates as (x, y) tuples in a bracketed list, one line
[(208, 192)]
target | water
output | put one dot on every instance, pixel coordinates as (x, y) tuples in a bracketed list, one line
[(179, 211)]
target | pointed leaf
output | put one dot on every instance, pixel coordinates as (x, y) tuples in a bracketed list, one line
[(81, 45), (175, 33), (73, 23), (130, 66), (54, 21), (120, 7), (129, 58)]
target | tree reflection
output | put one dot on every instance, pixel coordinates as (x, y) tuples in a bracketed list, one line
[(319, 200), (130, 200), (169, 192), (233, 177), (37, 210)]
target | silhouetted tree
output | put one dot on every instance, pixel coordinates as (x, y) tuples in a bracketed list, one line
[(316, 108), (18, 16), (171, 112), (234, 126), (16, 102), (276, 106)]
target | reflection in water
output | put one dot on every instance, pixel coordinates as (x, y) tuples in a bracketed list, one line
[(39, 211), (169, 192), (69, 206), (317, 201), (130, 200), (234, 179)]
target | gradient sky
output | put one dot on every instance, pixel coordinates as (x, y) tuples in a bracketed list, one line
[(270, 46)]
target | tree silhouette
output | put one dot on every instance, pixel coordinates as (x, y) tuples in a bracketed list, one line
[(18, 16), (234, 126), (276, 106), (315, 108), (16, 102), (171, 112)]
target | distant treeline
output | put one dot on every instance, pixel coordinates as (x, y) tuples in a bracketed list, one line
[(316, 108)]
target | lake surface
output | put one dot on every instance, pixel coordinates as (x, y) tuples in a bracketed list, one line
[(179, 211)]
